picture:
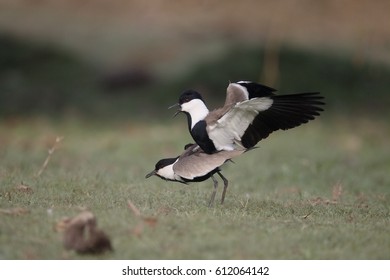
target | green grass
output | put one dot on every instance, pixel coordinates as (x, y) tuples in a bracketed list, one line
[(278, 205)]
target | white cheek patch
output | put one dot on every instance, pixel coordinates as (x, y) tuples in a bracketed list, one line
[(168, 173), (197, 110), (192, 105)]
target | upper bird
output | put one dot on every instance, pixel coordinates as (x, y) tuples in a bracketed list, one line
[(251, 112)]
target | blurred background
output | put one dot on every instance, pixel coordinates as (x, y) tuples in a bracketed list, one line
[(130, 59)]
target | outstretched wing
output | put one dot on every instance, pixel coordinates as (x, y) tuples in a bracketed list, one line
[(287, 111), (246, 123)]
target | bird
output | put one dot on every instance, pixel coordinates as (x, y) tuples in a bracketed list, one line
[(251, 112), (194, 165)]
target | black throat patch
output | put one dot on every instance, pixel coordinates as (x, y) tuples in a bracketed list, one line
[(201, 137)]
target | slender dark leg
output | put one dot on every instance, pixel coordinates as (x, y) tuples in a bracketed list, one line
[(214, 192), (225, 185)]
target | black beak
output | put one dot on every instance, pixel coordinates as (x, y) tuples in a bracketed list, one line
[(150, 174), (173, 106)]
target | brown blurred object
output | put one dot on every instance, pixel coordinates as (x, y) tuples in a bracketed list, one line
[(270, 75), (24, 188), (127, 78), (82, 235)]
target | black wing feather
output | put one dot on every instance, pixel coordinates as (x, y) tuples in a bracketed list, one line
[(287, 111)]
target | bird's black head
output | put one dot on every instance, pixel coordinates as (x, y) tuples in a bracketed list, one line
[(189, 95), (164, 162), (160, 165), (256, 90)]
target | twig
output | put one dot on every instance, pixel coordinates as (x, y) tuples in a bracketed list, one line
[(50, 152), (307, 215), (142, 220), (133, 208)]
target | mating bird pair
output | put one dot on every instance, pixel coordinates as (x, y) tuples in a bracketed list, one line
[(251, 112)]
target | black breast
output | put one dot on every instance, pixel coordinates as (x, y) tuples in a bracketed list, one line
[(199, 133)]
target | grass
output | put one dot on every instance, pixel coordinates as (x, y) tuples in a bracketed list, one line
[(317, 192)]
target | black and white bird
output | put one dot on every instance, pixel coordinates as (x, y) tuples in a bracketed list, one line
[(251, 112), (194, 165)]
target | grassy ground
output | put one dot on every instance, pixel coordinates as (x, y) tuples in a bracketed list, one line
[(316, 192)]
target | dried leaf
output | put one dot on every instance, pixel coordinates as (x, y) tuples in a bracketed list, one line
[(150, 221), (62, 224), (321, 201), (164, 210), (138, 229), (8, 196), (24, 188), (316, 201)]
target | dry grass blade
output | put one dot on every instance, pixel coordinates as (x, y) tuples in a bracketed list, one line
[(337, 192), (148, 221), (307, 215), (15, 211), (133, 208), (50, 152)]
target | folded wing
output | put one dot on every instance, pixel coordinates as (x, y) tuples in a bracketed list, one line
[(196, 163)]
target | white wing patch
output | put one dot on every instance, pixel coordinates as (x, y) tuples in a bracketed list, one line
[(235, 93), (226, 133)]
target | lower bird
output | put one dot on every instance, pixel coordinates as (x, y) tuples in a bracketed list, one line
[(194, 165)]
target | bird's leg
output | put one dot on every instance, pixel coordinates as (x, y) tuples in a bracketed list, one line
[(225, 185), (214, 192)]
